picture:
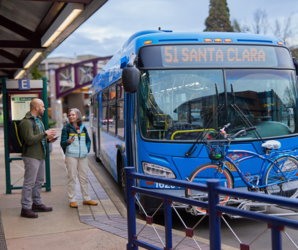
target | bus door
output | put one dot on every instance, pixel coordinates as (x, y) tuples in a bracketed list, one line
[(98, 124)]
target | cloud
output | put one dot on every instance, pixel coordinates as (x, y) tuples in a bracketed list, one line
[(78, 44), (108, 29)]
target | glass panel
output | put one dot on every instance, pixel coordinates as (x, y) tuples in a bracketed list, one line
[(267, 99), (105, 96), (113, 92), (112, 118), (177, 104), (120, 119), (92, 111), (120, 91), (95, 112), (104, 121)]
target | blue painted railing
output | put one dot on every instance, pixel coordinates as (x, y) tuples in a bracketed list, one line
[(214, 209)]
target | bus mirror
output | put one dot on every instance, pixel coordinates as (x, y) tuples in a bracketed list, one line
[(130, 79)]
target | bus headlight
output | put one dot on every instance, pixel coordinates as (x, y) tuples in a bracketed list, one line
[(158, 171)]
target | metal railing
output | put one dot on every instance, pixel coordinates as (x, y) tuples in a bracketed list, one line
[(214, 209)]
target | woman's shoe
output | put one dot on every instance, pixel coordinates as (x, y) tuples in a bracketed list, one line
[(73, 204), (91, 202)]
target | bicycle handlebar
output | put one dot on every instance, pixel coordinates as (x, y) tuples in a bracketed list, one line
[(243, 131), (223, 132), (249, 129)]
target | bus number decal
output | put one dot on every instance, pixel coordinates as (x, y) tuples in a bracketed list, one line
[(159, 185)]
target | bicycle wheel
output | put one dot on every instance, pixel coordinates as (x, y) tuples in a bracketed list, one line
[(203, 173), (283, 181)]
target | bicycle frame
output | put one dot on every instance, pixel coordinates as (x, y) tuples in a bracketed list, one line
[(267, 161)]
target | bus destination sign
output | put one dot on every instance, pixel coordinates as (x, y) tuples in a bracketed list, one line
[(218, 56)]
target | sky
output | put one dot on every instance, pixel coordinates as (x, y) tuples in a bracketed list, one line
[(109, 28)]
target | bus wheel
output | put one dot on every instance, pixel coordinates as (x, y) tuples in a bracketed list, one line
[(121, 177), (97, 159), (94, 144)]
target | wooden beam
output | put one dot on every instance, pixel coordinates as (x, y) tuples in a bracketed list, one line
[(65, 1), (9, 56), (5, 44), (49, 18), (11, 66), (9, 73), (18, 29), (24, 55)]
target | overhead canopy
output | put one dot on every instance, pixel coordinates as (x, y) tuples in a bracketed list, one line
[(31, 29)]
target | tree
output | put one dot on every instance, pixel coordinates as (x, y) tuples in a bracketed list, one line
[(284, 32), (236, 26), (294, 51), (261, 23), (282, 28), (36, 74), (219, 17)]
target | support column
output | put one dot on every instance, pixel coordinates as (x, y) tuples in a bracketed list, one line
[(55, 106), (46, 125)]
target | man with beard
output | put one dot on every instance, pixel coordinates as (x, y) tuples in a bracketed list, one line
[(34, 152)]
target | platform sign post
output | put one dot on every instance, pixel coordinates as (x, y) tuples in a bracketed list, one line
[(45, 120), (17, 95)]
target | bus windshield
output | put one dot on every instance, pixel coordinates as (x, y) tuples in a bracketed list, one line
[(267, 98), (178, 104)]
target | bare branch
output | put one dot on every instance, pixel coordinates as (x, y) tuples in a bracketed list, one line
[(260, 21), (287, 30), (277, 30)]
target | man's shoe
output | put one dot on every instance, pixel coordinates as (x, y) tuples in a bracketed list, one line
[(73, 204), (28, 213), (91, 202), (41, 208)]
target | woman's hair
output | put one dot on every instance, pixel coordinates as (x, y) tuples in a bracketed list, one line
[(79, 115)]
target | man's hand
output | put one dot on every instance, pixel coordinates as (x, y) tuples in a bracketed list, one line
[(53, 139), (51, 133)]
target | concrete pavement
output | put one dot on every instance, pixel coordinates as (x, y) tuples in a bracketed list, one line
[(88, 227), (60, 229)]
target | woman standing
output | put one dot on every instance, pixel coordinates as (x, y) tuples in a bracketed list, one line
[(76, 140)]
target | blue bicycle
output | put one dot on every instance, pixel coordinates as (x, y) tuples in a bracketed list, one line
[(278, 174)]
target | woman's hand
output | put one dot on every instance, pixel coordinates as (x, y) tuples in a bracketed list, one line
[(71, 140)]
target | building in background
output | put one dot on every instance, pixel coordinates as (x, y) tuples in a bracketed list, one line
[(66, 71)]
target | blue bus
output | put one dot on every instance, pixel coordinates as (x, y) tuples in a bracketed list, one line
[(154, 97)]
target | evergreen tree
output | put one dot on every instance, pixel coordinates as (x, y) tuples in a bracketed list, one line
[(219, 16)]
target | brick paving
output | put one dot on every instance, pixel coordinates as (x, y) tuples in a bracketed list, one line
[(106, 217), (3, 245)]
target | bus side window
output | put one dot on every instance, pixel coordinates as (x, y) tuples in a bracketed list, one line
[(95, 111), (91, 110), (104, 120), (120, 112), (112, 110)]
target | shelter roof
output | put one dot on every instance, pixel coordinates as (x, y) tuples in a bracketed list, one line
[(31, 29)]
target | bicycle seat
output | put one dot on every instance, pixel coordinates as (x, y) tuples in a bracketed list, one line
[(271, 144)]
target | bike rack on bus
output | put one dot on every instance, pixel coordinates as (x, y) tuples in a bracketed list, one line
[(214, 209), (248, 205)]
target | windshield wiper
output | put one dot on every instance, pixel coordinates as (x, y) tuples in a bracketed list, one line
[(217, 111), (245, 119), (242, 116)]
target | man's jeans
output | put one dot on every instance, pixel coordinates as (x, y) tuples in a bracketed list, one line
[(33, 180)]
